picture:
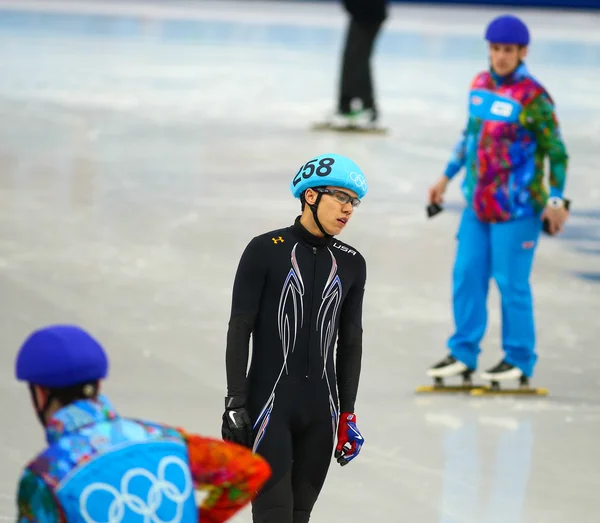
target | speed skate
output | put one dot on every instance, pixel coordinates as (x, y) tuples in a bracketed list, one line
[(439, 385), (450, 367), (504, 371), (348, 128)]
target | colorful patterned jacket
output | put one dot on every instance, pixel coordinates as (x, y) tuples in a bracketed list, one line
[(512, 127), (100, 466)]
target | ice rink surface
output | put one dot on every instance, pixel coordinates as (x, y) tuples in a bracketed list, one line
[(142, 147)]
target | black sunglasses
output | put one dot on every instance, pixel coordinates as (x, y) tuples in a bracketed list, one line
[(340, 196)]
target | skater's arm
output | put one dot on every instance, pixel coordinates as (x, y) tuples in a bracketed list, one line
[(247, 291), (228, 475), (349, 348), (544, 125), (35, 501)]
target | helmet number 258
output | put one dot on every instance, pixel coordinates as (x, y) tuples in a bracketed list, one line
[(323, 168)]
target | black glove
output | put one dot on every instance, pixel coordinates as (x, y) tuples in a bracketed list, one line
[(237, 426), (433, 209), (546, 225)]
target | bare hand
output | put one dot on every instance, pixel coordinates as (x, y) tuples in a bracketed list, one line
[(437, 190), (557, 216)]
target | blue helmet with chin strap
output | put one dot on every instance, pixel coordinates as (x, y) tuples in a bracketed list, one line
[(60, 356), (333, 170), (507, 29)]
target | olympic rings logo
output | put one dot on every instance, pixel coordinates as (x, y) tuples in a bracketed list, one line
[(147, 508), (359, 180)]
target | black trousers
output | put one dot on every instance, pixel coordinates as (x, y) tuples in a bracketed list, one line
[(356, 77), (298, 444)]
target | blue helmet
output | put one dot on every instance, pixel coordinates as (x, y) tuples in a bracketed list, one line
[(507, 29), (61, 356), (329, 169)]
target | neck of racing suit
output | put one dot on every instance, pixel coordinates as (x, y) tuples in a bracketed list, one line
[(308, 237)]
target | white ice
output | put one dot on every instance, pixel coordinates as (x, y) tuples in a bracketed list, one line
[(139, 155)]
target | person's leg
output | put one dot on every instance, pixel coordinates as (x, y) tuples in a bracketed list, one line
[(313, 450), (513, 250), (347, 71), (364, 76), (356, 77), (274, 503), (471, 275)]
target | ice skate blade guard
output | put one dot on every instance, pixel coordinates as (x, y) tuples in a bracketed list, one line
[(423, 389), (519, 391)]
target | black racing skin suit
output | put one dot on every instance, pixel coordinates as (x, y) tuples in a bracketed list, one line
[(295, 293)]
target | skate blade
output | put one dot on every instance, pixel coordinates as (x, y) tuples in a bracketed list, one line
[(423, 389), (488, 391), (325, 126)]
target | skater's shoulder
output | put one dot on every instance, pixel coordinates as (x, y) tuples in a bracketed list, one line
[(273, 237), (348, 251), (267, 236)]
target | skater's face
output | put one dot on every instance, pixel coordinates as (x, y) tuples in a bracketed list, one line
[(505, 58), (335, 208)]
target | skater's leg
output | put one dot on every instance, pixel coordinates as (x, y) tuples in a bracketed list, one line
[(471, 275), (356, 79), (313, 449), (513, 249), (274, 503), (364, 79), (348, 70)]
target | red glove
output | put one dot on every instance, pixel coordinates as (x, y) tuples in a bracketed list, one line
[(350, 440)]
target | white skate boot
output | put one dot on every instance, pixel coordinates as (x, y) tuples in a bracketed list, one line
[(502, 372), (447, 368)]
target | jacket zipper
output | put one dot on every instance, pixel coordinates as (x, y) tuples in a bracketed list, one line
[(312, 307)]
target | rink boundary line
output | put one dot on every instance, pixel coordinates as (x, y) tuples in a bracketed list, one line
[(291, 14)]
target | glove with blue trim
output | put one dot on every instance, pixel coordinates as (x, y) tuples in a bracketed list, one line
[(349, 438)]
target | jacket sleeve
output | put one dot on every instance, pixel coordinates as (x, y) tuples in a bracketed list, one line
[(541, 119), (247, 292), (36, 502), (229, 475), (349, 347), (457, 157)]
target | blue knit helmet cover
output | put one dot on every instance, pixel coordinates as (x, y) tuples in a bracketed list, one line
[(61, 356), (507, 29)]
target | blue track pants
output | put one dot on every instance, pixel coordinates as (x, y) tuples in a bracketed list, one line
[(504, 252)]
